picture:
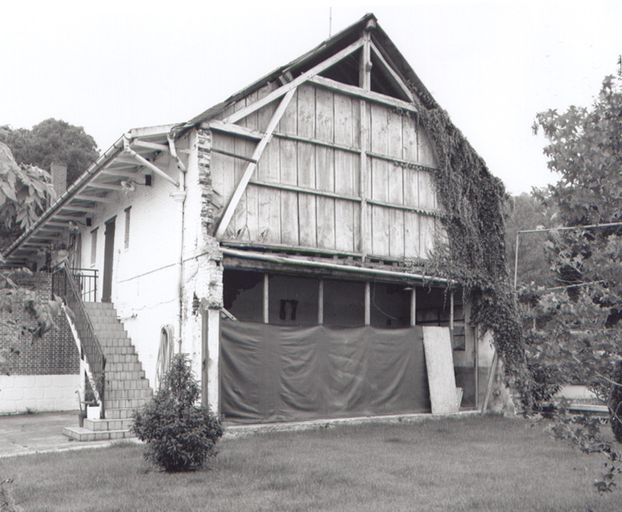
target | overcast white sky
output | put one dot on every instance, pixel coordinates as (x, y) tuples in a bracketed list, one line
[(492, 64)]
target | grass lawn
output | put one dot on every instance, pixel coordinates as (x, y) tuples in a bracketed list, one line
[(474, 463)]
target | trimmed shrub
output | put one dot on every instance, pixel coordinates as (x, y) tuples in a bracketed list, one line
[(180, 434)]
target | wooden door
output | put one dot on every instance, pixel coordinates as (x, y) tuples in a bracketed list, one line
[(108, 259)]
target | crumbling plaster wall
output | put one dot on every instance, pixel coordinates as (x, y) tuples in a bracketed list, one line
[(202, 289)]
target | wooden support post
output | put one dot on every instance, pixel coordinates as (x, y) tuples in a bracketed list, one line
[(266, 299), (250, 169), (367, 303), (365, 83), (211, 358), (413, 306), (320, 305), (451, 312)]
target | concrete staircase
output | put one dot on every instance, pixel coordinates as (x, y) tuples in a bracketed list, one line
[(126, 386)]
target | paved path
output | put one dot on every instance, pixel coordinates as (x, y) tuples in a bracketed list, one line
[(39, 433)]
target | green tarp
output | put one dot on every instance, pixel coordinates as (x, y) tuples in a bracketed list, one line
[(276, 373)]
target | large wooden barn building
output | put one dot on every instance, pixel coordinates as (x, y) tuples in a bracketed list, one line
[(279, 238)]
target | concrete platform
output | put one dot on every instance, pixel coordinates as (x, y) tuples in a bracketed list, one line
[(40, 433)]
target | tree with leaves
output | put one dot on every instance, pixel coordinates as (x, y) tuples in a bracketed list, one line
[(25, 190), (578, 327), (528, 211), (52, 141)]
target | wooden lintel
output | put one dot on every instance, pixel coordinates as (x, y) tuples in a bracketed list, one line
[(233, 129), (357, 92), (303, 190), (250, 169), (290, 86), (396, 78)]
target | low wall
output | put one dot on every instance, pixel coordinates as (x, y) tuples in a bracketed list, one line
[(20, 393)]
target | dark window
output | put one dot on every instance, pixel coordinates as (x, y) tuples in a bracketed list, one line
[(127, 227), (433, 308), (389, 305), (344, 303), (243, 294), (94, 246), (293, 300)]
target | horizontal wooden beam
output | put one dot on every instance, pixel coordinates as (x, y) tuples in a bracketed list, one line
[(312, 251), (95, 199), (121, 173), (104, 186), (317, 142), (357, 92), (85, 209), (69, 218), (405, 207), (233, 129), (233, 155), (400, 161), (303, 190), (149, 145)]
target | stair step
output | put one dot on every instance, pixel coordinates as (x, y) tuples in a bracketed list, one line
[(122, 359), (120, 350), (120, 413), (127, 394), (84, 434), (125, 375), (127, 384), (107, 424), (125, 403), (123, 366)]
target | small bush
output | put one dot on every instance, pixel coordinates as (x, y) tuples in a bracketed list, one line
[(180, 435)]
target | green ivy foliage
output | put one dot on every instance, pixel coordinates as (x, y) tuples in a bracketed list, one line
[(473, 256)]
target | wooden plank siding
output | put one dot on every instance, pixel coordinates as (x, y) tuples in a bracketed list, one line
[(317, 146)]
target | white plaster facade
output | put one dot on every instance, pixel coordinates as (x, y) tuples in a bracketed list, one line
[(38, 393)]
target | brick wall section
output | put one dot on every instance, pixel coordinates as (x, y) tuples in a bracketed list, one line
[(211, 203), (53, 354)]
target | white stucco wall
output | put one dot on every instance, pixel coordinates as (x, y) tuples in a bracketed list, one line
[(38, 393), (145, 276)]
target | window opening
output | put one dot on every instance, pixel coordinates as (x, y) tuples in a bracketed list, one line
[(126, 242), (243, 294), (344, 303), (94, 246), (293, 300), (390, 305)]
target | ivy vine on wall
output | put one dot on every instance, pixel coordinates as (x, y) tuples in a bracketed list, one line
[(474, 253)]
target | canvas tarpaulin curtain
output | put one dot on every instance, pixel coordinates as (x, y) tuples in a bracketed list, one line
[(281, 373)]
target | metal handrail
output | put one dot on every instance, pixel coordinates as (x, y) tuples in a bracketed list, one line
[(86, 281), (64, 286)]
